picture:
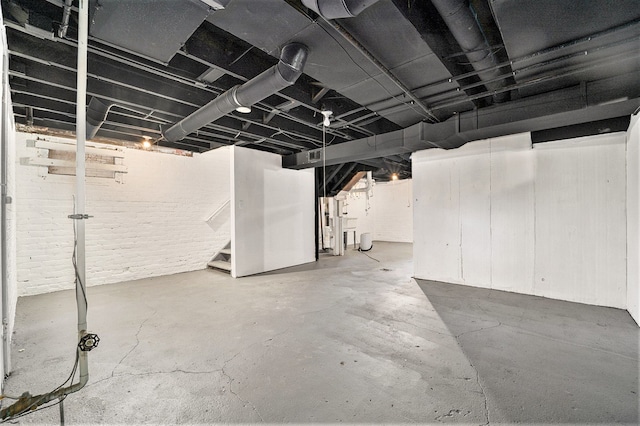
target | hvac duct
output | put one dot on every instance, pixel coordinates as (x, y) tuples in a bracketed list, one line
[(276, 78), (96, 115), (335, 9), (462, 23), (64, 26)]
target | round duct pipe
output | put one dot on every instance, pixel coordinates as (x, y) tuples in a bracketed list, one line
[(335, 9), (271, 81), (462, 23), (97, 111)]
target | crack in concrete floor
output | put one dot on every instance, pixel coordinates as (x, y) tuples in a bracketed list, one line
[(484, 394), (231, 380)]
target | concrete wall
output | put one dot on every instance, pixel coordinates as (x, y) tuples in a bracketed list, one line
[(151, 224), (548, 221), (633, 218), (387, 216), (9, 282), (272, 213)]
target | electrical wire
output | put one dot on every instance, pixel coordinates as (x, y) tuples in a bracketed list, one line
[(78, 282), (31, 408), (324, 163), (372, 258)]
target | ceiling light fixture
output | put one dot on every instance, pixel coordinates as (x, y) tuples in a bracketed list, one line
[(146, 144), (394, 176), (243, 109), (326, 114)]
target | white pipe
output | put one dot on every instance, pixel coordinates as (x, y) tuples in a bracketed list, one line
[(81, 134), (6, 353), (27, 402)]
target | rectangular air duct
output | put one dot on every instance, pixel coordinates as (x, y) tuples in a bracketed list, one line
[(156, 29)]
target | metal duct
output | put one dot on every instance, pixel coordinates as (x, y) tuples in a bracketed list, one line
[(335, 9), (64, 26), (462, 23), (276, 78), (96, 115)]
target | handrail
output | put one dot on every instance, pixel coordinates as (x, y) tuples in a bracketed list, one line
[(218, 210)]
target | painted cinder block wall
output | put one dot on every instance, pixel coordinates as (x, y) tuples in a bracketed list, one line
[(151, 224), (549, 221), (387, 215)]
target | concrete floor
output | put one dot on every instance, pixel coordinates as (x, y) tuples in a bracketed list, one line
[(348, 339)]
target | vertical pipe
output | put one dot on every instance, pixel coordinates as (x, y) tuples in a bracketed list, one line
[(316, 198), (6, 353), (62, 31), (81, 132)]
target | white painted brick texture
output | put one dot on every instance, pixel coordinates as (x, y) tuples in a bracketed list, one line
[(390, 216), (151, 224)]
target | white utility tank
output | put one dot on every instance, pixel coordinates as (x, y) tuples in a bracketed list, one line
[(365, 241)]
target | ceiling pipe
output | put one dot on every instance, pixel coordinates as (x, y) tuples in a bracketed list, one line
[(271, 81), (336, 9), (96, 116), (62, 31), (464, 26)]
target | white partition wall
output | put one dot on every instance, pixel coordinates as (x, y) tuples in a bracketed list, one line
[(580, 239), (633, 218), (548, 221), (272, 211)]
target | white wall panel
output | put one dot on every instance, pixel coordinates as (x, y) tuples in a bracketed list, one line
[(474, 216), (273, 213), (436, 230), (633, 219), (580, 250), (549, 221), (512, 213)]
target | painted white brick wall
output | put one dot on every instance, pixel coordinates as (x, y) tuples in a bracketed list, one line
[(393, 211), (389, 216), (152, 224)]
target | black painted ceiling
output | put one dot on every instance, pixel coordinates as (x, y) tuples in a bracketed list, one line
[(396, 64)]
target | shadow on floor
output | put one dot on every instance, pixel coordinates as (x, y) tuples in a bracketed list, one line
[(571, 362)]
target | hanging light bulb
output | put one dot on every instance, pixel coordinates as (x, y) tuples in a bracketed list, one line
[(326, 114)]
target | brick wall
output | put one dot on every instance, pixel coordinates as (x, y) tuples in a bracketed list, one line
[(393, 211), (387, 216), (151, 224)]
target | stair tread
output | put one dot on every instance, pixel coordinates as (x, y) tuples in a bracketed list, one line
[(225, 251), (220, 264)]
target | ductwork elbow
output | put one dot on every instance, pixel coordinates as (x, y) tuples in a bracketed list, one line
[(96, 115), (292, 60), (336, 9)]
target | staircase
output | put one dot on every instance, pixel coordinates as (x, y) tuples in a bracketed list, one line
[(222, 260)]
